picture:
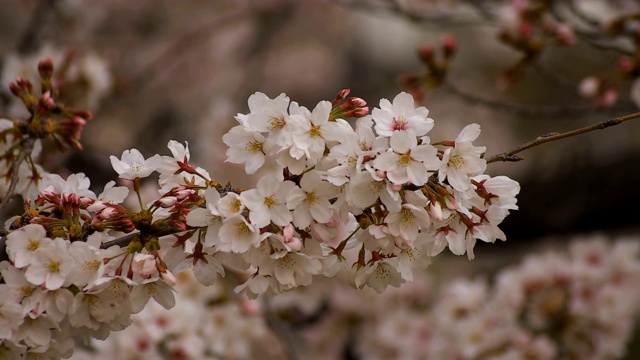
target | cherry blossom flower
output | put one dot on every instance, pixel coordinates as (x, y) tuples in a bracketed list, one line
[(379, 274), (22, 244), (407, 162), (133, 165), (51, 264), (463, 160), (237, 235), (401, 115), (209, 217), (312, 130), (310, 201), (245, 147), (267, 203), (154, 288)]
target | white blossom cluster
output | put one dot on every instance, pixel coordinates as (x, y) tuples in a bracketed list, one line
[(404, 198), (52, 288), (206, 323), (382, 190), (578, 305)]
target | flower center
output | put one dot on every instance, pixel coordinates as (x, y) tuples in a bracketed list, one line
[(33, 245), (276, 123), (311, 198), (54, 266), (236, 205), (270, 201), (315, 132), (242, 229), (456, 162), (400, 124), (404, 160), (253, 146), (407, 216)]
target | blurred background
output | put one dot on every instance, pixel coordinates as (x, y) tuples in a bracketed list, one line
[(153, 71)]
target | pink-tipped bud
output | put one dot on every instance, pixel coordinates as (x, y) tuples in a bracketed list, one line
[(168, 277), (426, 53), (588, 87), (143, 264), (182, 194), (565, 34), (626, 65), (15, 90), (449, 45), (524, 30), (450, 203), (356, 102), (85, 114), (435, 210), (342, 94), (107, 213), (45, 68), (167, 201), (290, 239), (610, 96)]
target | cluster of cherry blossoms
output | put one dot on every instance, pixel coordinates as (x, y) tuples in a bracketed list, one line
[(377, 200), (381, 187), (576, 304), (580, 305)]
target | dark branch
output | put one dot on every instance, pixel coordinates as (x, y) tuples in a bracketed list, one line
[(511, 154)]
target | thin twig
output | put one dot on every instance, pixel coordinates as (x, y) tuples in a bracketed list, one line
[(511, 154), (27, 146)]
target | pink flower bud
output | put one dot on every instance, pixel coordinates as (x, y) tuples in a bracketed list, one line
[(168, 277), (610, 96), (426, 53), (167, 201), (588, 87), (435, 210), (449, 45), (626, 65), (143, 264), (45, 68), (450, 202)]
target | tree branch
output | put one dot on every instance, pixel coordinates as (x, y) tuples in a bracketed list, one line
[(122, 241), (27, 146), (511, 154)]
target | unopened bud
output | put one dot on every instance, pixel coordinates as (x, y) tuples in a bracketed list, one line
[(356, 102), (626, 65), (435, 210), (426, 53), (342, 94), (168, 277), (525, 30), (167, 201), (45, 68), (85, 114), (450, 203), (449, 45), (588, 87), (610, 96)]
